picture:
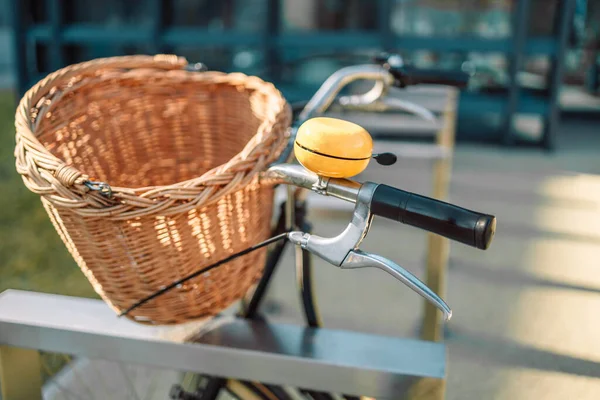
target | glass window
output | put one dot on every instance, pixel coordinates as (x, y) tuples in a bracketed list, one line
[(239, 15), (229, 59), (487, 18), (5, 11), (35, 11), (542, 14), (312, 67), (108, 13), (329, 15)]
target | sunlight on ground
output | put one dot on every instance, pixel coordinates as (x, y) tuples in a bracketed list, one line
[(561, 322), (527, 384), (578, 186), (574, 261)]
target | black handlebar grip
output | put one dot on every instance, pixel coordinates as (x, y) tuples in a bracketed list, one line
[(453, 222), (414, 76)]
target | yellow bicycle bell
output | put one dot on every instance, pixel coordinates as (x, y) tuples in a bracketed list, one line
[(335, 148)]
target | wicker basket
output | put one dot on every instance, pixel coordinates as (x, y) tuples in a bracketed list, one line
[(181, 153)]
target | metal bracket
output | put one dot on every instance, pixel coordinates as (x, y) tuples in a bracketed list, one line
[(334, 250)]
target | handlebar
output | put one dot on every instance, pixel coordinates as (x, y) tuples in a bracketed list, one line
[(453, 222), (387, 71), (456, 223), (406, 75), (327, 93), (414, 76)]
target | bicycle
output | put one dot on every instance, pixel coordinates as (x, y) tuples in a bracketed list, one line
[(475, 229), (342, 251)]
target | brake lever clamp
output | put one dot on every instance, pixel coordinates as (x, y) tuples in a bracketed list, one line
[(343, 250), (394, 64), (405, 74)]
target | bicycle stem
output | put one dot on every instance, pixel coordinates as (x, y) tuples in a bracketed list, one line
[(344, 189)]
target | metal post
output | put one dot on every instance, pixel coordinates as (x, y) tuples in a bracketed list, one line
[(438, 248), (385, 24), (562, 23), (160, 12), (19, 47), (272, 31), (438, 251), (251, 309), (20, 374), (592, 82), (517, 56), (55, 53), (304, 269), (427, 388)]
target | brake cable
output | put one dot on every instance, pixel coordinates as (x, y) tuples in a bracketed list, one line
[(162, 291)]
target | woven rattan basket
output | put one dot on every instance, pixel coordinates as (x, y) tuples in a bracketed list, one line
[(180, 152)]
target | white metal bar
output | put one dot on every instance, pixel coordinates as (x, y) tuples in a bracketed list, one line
[(321, 359)]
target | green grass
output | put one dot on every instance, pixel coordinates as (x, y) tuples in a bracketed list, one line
[(32, 256)]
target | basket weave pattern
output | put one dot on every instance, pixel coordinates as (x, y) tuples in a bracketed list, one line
[(181, 152)]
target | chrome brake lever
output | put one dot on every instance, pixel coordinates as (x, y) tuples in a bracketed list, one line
[(378, 99), (394, 103), (360, 259)]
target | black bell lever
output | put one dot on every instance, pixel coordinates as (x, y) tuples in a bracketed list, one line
[(385, 158)]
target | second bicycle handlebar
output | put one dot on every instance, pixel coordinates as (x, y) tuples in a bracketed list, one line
[(416, 76)]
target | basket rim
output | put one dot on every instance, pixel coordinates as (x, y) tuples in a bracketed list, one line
[(66, 187)]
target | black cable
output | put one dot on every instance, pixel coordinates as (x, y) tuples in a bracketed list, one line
[(252, 308), (305, 282), (203, 270), (311, 314)]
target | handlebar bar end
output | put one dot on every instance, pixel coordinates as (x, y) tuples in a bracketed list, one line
[(485, 228)]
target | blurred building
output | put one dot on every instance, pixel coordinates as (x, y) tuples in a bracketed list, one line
[(7, 75), (448, 18), (283, 41)]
